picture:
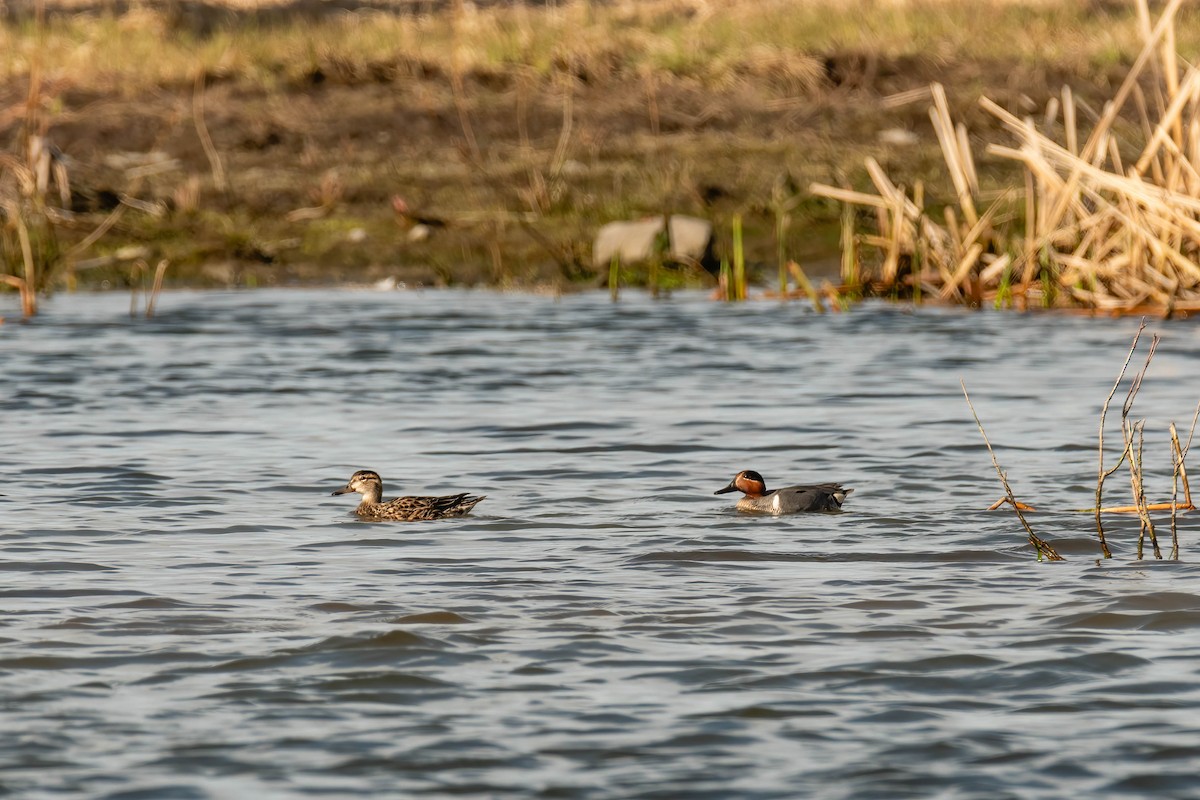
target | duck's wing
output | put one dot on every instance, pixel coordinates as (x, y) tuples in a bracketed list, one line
[(818, 496), (418, 508)]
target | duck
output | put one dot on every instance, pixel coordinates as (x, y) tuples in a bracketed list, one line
[(406, 509), (788, 500)]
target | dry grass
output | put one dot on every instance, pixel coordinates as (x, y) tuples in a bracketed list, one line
[(1110, 216), (717, 42), (35, 194), (29, 180), (528, 126)]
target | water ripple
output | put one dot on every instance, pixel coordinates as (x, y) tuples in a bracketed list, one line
[(188, 613)]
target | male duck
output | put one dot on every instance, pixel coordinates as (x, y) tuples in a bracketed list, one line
[(788, 500), (406, 509)]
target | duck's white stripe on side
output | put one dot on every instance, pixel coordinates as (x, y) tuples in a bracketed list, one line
[(775, 503)]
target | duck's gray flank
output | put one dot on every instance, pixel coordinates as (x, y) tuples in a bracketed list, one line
[(788, 500)]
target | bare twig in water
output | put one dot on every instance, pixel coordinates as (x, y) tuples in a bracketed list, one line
[(1133, 453), (136, 271), (1042, 548), (1133, 509), (1136, 386), (1137, 484), (1003, 500), (1101, 474), (1176, 452), (156, 288), (1179, 473)]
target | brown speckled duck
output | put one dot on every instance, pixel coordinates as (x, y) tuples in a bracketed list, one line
[(788, 500), (405, 509)]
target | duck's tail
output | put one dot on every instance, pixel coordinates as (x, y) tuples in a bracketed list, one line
[(839, 495), (457, 505)]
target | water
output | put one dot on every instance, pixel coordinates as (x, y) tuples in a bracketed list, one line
[(187, 613)]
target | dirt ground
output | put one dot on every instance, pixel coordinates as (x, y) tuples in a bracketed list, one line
[(391, 170)]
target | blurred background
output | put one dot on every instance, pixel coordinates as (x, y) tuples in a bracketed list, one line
[(452, 143)]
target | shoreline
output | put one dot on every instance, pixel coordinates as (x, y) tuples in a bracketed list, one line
[(251, 157)]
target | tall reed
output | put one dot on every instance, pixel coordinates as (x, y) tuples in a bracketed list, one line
[(1097, 233), (35, 191), (27, 237), (614, 273), (137, 275), (1040, 546), (739, 260), (725, 281)]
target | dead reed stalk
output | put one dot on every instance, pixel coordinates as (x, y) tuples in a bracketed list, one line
[(210, 150), (1097, 233), (1103, 474), (1040, 545), (1132, 452), (137, 274), (30, 220), (1133, 436), (1137, 484), (156, 288), (1179, 474)]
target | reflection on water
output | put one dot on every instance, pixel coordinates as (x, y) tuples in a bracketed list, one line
[(188, 613)]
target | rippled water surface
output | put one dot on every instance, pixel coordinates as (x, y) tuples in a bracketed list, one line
[(187, 613)]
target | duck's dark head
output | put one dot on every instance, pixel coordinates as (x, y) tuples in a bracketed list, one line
[(748, 482)]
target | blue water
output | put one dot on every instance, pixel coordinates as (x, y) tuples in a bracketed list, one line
[(185, 612)]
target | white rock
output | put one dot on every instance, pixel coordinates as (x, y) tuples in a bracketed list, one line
[(899, 137)]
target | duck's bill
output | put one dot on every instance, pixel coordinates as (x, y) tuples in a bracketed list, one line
[(726, 490), (343, 490)]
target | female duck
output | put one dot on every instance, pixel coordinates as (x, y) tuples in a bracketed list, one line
[(406, 509), (788, 500)]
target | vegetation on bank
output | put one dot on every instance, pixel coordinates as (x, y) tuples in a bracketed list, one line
[(1105, 216), (141, 46), (264, 143)]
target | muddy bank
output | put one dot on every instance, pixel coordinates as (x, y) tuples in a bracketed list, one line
[(335, 167)]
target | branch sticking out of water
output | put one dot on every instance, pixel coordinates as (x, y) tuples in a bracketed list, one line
[(1003, 500), (138, 272), (614, 272), (1101, 474), (1133, 434), (1040, 545), (739, 260), (1134, 451), (159, 271), (1137, 484), (1179, 474)]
